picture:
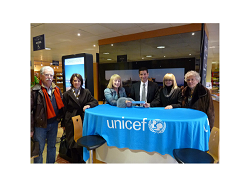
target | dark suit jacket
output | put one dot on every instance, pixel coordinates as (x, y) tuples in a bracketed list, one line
[(152, 91)]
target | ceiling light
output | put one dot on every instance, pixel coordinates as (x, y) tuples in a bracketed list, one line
[(106, 53), (164, 56), (93, 45), (161, 47), (190, 54), (109, 59), (112, 44), (149, 56), (78, 34), (47, 48), (193, 33), (142, 58)]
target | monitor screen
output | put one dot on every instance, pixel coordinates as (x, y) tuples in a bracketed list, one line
[(71, 66)]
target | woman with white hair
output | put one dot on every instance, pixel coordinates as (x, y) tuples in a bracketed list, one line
[(115, 91), (197, 97), (169, 96)]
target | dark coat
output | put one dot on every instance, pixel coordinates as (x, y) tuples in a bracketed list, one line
[(162, 101), (74, 107), (39, 109), (201, 100), (152, 91)]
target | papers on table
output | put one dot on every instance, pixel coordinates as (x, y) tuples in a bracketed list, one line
[(138, 102)]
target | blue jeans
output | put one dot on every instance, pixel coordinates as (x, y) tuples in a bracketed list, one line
[(49, 133)]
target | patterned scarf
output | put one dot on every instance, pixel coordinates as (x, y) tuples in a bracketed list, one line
[(76, 92), (166, 93), (59, 102)]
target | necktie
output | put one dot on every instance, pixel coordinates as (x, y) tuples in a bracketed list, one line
[(143, 95)]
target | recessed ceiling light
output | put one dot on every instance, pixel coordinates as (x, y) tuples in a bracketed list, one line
[(161, 47), (78, 34), (193, 33), (106, 53), (149, 56), (164, 56), (94, 45), (190, 54), (112, 44)]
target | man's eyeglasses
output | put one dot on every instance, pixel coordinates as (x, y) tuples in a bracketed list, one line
[(48, 75)]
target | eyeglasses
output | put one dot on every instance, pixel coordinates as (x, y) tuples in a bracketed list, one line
[(48, 75), (167, 80)]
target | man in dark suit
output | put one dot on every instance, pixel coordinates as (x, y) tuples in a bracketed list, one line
[(137, 89)]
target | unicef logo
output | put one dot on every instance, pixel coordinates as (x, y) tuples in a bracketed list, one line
[(157, 126)]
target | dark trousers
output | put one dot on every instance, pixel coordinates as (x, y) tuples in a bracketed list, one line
[(49, 133), (77, 155)]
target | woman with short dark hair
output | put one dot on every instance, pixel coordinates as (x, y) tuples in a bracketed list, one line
[(76, 100)]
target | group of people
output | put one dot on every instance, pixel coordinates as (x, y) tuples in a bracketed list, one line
[(170, 96), (49, 106)]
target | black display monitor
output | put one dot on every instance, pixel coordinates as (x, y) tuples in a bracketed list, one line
[(78, 63)]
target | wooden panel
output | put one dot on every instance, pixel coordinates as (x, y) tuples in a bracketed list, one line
[(95, 75), (32, 75), (151, 34), (217, 113)]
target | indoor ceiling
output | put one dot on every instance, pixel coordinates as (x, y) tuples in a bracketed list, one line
[(73, 38), (182, 45)]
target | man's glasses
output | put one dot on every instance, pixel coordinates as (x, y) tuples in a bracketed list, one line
[(48, 75)]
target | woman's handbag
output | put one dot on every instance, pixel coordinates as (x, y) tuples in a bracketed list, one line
[(64, 151)]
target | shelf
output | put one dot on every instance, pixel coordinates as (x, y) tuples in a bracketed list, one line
[(215, 79), (59, 80)]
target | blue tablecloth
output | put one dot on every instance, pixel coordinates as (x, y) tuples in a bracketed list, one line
[(148, 129)]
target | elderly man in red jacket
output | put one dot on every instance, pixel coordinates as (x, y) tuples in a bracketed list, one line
[(46, 112)]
